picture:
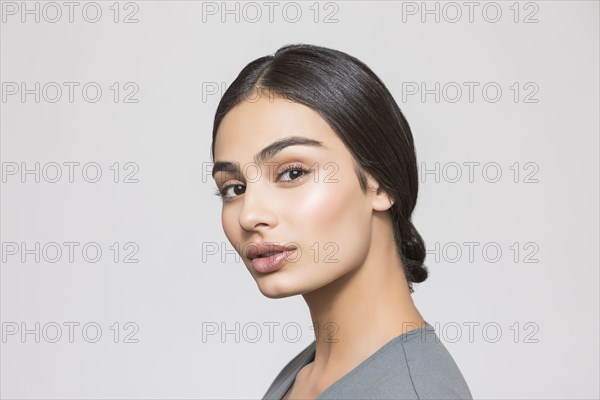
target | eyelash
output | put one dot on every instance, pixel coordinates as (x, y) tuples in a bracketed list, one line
[(294, 167)]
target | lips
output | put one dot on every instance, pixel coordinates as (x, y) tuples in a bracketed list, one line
[(265, 249)]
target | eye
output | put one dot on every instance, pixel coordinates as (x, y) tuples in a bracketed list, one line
[(223, 192), (295, 173), (299, 170)]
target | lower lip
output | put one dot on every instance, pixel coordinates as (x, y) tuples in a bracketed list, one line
[(273, 262)]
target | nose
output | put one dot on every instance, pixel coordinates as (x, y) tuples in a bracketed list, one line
[(257, 212)]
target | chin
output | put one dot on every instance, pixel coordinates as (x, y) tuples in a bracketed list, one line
[(276, 293), (277, 287)]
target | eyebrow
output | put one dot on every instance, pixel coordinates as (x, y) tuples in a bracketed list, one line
[(267, 153)]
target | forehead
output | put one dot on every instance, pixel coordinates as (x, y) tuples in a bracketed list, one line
[(255, 123)]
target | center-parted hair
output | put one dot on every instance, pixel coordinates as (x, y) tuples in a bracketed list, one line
[(361, 111)]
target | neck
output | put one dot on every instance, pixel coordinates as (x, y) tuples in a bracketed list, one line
[(358, 313)]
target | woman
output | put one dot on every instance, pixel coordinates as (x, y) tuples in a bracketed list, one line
[(317, 170)]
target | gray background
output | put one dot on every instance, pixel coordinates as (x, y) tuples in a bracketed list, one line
[(534, 311)]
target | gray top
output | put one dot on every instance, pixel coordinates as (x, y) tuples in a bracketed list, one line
[(414, 365)]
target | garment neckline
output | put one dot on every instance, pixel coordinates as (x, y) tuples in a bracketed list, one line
[(353, 371)]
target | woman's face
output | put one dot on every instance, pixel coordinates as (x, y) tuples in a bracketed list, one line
[(322, 212)]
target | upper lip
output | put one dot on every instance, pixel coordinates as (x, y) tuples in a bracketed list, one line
[(257, 249)]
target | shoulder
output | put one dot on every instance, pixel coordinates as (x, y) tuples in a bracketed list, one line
[(418, 365), (414, 365), (431, 368)]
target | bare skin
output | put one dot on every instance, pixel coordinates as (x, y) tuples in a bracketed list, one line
[(372, 307), (360, 301)]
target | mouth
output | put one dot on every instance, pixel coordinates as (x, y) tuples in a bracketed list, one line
[(265, 250), (264, 262), (268, 254)]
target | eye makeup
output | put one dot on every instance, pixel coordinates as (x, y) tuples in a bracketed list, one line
[(297, 172)]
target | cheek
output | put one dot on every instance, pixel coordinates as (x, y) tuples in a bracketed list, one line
[(319, 205), (330, 217), (231, 227)]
